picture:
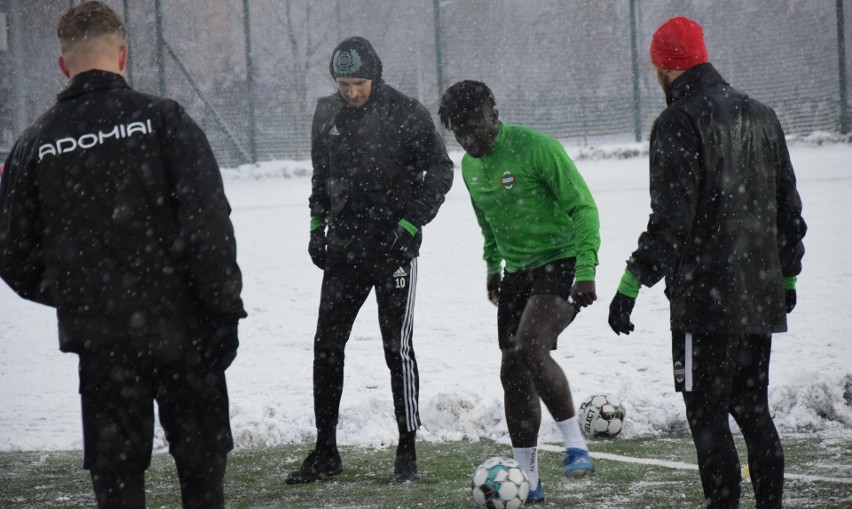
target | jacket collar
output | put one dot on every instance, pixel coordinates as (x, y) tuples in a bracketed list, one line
[(91, 81), (701, 75)]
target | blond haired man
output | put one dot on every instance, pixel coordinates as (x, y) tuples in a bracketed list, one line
[(114, 213)]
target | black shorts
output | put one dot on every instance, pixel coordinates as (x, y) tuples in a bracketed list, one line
[(717, 362), (118, 392), (554, 278)]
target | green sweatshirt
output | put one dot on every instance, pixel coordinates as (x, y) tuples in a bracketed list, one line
[(532, 204)]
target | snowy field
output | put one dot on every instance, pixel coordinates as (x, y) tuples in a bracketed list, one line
[(455, 329)]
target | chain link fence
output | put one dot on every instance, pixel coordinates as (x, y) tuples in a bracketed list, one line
[(564, 67)]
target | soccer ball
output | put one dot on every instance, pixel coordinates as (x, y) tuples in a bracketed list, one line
[(500, 483), (602, 416)]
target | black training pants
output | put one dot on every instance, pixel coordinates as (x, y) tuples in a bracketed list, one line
[(118, 388), (729, 375), (345, 287)]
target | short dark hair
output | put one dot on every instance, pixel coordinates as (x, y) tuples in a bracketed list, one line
[(88, 19), (462, 99)]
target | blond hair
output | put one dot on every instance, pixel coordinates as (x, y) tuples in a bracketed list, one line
[(88, 21)]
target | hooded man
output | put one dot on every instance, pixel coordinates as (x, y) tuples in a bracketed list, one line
[(380, 174), (726, 233)]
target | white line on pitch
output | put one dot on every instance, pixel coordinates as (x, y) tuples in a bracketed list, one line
[(689, 466)]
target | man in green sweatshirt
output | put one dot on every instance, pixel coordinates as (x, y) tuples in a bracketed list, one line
[(541, 230)]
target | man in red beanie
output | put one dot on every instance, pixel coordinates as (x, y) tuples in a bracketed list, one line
[(726, 232)]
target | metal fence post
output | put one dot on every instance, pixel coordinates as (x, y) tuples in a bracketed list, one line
[(16, 49), (439, 64), (634, 62), (250, 83), (841, 59), (161, 59), (129, 66)]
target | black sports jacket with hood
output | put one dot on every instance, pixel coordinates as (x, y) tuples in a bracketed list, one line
[(112, 210), (373, 166), (726, 224)]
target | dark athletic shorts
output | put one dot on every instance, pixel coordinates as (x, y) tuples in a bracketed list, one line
[(118, 391), (554, 278), (718, 362)]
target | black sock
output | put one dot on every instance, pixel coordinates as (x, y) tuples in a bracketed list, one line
[(204, 490), (327, 439), (406, 444), (119, 490)]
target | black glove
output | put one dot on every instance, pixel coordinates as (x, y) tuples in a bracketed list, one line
[(316, 247), (492, 284), (402, 243), (219, 349), (789, 300), (619, 313)]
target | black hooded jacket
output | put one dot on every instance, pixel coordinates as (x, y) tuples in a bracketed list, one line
[(112, 210), (726, 223), (374, 166)]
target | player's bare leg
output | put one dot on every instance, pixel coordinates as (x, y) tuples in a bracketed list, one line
[(523, 418), (521, 401), (543, 319)]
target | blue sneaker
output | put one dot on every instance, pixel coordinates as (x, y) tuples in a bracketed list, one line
[(577, 463), (536, 496)]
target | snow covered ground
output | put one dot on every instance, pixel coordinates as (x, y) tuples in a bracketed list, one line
[(461, 398)]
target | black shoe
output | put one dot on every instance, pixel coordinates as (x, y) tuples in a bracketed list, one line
[(404, 470), (317, 466)]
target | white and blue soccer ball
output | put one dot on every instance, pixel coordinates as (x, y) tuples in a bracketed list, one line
[(602, 416), (500, 483)]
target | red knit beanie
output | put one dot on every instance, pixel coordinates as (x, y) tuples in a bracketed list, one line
[(678, 45)]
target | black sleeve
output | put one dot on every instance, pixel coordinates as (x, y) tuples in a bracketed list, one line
[(206, 235), (431, 158), (319, 199), (675, 176), (21, 262), (791, 226)]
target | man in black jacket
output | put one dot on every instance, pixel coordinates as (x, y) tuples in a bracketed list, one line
[(726, 232), (380, 174), (112, 210)]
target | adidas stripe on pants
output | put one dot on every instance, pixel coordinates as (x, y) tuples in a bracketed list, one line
[(345, 288)]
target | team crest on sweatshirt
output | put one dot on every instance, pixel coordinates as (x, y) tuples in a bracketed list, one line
[(508, 180)]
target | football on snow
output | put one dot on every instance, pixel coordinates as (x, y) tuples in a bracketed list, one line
[(500, 483), (601, 416)]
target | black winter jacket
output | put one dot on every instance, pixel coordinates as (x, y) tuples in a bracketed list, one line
[(112, 210), (373, 166), (726, 223)]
